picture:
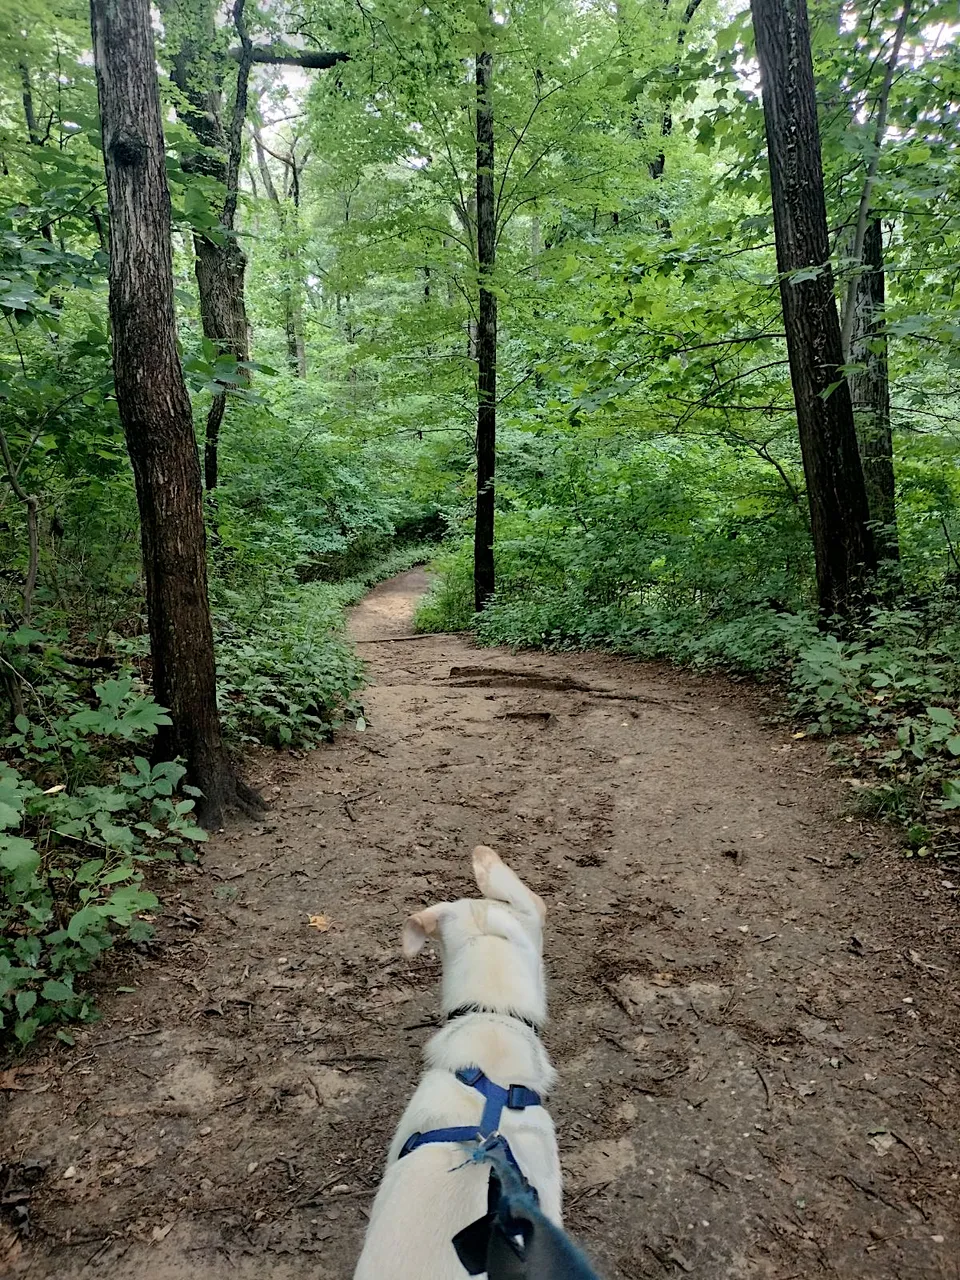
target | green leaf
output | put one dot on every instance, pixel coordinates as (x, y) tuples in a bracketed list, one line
[(83, 920), (25, 1029), (941, 715), (25, 1000), (10, 815), (19, 857), (57, 991)]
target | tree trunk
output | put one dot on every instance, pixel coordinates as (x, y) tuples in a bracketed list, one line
[(486, 341), (220, 267), (220, 270), (36, 140), (29, 113), (153, 401), (842, 542), (292, 306), (219, 264), (870, 392)]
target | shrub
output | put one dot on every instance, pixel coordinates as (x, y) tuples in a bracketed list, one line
[(82, 813)]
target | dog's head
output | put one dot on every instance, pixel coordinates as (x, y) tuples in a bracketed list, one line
[(491, 947)]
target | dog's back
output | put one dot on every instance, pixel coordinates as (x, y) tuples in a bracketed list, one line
[(417, 1213), (494, 990)]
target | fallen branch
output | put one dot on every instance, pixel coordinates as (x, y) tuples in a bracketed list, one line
[(426, 635), (487, 677)]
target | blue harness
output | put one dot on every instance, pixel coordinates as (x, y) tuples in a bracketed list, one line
[(513, 1240), (495, 1097)]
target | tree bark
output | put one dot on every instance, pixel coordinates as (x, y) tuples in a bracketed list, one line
[(863, 210), (870, 392), (486, 340), (219, 263), (153, 401), (842, 541)]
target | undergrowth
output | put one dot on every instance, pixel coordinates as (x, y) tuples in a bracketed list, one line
[(288, 676), (83, 813)]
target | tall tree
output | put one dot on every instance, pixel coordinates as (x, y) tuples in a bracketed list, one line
[(198, 69), (154, 405), (839, 515), (483, 560), (870, 392), (287, 205), (862, 328)]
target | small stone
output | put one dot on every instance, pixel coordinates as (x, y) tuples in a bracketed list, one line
[(252, 1166)]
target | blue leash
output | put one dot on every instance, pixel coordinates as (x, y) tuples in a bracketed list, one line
[(513, 1240)]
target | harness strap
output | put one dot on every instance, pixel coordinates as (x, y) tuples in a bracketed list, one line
[(495, 1097)]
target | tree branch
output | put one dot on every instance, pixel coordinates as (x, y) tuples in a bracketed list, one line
[(281, 55)]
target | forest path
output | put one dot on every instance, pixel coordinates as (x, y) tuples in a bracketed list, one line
[(755, 1025)]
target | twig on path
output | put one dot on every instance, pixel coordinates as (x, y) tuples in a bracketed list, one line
[(427, 635), (904, 1143), (711, 1178), (729, 1002), (766, 1087), (339, 1176), (131, 1035), (869, 1191)]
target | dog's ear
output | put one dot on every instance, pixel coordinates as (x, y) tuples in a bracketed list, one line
[(495, 880), (421, 926)]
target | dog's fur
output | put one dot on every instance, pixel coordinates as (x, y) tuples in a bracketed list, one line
[(491, 950)]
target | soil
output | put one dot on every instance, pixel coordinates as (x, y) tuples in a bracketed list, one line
[(753, 995)]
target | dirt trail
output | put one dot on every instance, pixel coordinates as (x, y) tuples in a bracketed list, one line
[(753, 1002)]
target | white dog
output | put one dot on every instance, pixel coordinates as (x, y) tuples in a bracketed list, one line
[(495, 1000)]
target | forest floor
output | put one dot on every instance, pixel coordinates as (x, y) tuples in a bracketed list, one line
[(754, 1000)]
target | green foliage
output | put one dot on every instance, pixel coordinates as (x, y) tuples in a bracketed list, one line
[(82, 814), (286, 674)]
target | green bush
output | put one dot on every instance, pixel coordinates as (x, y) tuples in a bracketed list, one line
[(82, 813), (286, 673), (448, 605)]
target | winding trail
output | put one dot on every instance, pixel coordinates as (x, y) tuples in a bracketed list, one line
[(754, 1008)]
